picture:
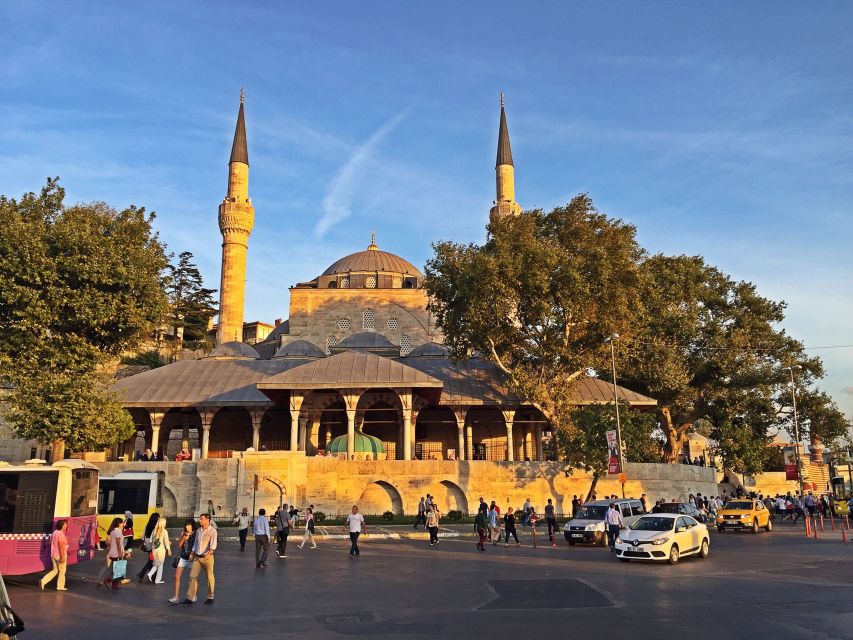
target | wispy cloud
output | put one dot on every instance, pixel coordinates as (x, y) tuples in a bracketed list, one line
[(336, 202)]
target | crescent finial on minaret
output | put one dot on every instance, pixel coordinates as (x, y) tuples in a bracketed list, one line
[(502, 98)]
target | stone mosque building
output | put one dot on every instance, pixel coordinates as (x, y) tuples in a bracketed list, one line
[(357, 372)]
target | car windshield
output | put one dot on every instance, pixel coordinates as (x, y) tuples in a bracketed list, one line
[(667, 507), (592, 513), (739, 505), (652, 524)]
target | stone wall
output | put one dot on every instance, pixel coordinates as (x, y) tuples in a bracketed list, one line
[(333, 485)]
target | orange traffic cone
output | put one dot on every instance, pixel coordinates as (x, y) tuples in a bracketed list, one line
[(808, 529), (821, 523), (814, 528), (843, 535), (832, 520)]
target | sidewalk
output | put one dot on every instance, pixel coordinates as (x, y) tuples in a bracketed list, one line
[(376, 532)]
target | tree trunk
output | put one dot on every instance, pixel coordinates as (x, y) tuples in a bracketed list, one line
[(674, 436), (595, 477), (57, 450)]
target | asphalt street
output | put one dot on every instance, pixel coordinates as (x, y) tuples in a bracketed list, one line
[(772, 585)]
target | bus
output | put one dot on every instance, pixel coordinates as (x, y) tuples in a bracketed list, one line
[(33, 496), (140, 492)]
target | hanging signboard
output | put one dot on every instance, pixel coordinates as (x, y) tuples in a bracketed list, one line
[(613, 465), (790, 456)]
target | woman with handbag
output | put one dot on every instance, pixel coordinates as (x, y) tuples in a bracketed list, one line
[(127, 530), (182, 558), (160, 548), (309, 529), (147, 542), (115, 553)]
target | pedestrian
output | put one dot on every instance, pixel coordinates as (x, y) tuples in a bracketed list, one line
[(576, 504), (421, 519), (432, 524), (147, 542), (242, 522), (127, 530), (58, 557), (645, 502), (357, 526), (202, 558), (525, 516), (509, 528), (282, 531), (160, 548), (810, 504), (483, 506), (613, 521), (309, 529), (494, 524), (115, 551), (210, 508), (480, 526), (261, 529), (551, 521), (186, 541)]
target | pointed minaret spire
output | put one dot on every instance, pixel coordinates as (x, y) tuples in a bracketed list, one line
[(240, 149), (236, 220), (505, 203)]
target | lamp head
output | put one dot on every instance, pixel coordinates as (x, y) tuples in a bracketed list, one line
[(613, 337)]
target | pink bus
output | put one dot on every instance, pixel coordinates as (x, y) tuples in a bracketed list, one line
[(33, 496)]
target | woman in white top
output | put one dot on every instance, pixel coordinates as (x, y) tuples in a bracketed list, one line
[(160, 548), (309, 529)]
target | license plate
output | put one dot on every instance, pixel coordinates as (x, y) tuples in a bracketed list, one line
[(577, 535), (633, 548)]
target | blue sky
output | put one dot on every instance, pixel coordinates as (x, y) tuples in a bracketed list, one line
[(724, 131)]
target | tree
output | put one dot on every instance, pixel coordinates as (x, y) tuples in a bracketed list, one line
[(539, 298), (585, 446), (709, 347), (79, 285), (191, 306)]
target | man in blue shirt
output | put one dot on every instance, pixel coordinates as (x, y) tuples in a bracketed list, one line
[(261, 529)]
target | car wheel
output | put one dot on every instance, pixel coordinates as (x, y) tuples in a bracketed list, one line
[(674, 554), (754, 526), (703, 550), (721, 529), (769, 526)]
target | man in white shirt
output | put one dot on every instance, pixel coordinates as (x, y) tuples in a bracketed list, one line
[(355, 523), (261, 529), (613, 521), (242, 522)]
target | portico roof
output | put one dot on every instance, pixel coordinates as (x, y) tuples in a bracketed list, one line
[(351, 370)]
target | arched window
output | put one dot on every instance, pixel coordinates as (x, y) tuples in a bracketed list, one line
[(397, 282), (344, 282), (405, 345), (333, 284), (370, 282), (344, 324), (368, 319), (393, 324), (331, 341)]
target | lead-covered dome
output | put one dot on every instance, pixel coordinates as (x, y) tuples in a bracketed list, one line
[(372, 259), (233, 349)]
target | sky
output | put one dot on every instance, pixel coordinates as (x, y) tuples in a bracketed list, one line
[(720, 130)]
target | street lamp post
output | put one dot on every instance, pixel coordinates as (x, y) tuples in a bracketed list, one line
[(610, 340), (793, 368)]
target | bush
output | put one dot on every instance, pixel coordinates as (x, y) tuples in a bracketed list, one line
[(319, 516), (388, 516), (454, 515), (148, 358)]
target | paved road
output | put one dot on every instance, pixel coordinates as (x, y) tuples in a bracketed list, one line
[(777, 585)]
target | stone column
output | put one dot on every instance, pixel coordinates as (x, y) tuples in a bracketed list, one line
[(206, 414), (407, 434), (469, 441), (295, 407), (537, 438), (156, 421), (459, 413), (509, 416), (528, 443), (303, 427), (350, 433), (257, 415)]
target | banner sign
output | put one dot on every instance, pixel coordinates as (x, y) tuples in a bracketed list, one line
[(613, 465), (790, 456)]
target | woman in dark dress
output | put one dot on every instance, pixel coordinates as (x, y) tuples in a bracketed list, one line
[(509, 528), (147, 545)]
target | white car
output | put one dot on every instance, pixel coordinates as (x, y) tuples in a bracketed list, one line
[(588, 525), (663, 536)]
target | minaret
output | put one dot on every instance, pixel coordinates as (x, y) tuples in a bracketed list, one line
[(236, 219), (505, 203)]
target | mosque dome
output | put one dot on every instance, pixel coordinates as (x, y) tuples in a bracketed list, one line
[(364, 443), (430, 350), (365, 341), (234, 349), (299, 349), (373, 260)]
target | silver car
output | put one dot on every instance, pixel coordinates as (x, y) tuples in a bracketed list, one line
[(588, 526)]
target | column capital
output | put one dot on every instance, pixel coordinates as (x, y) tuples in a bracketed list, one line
[(351, 398), (207, 414), (296, 400), (509, 416), (156, 416), (257, 414), (405, 395)]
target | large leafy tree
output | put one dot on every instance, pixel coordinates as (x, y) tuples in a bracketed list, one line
[(79, 285), (539, 297), (191, 305), (585, 446)]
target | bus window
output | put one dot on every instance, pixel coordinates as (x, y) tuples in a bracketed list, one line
[(28, 501), (117, 496), (8, 500), (84, 492)]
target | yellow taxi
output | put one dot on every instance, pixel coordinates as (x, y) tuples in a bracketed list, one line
[(744, 513)]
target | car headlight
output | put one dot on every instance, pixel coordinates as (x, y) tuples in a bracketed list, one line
[(618, 540), (745, 516), (660, 541)]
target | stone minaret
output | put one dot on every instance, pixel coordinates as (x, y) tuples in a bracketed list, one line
[(505, 203), (236, 219)]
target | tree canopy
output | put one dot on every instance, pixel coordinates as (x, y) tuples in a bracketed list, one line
[(79, 285), (191, 305)]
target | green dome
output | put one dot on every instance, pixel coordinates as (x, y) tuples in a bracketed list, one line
[(363, 444)]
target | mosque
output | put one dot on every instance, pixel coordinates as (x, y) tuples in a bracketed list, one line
[(357, 371)]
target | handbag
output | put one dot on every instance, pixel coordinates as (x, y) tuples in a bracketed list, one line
[(175, 561), (119, 569)]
